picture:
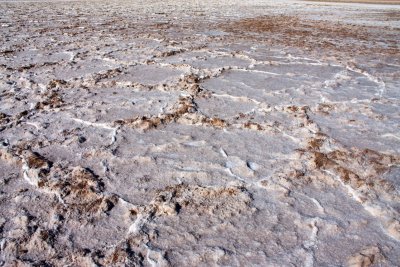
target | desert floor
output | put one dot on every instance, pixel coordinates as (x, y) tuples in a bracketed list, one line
[(384, 2), (199, 133)]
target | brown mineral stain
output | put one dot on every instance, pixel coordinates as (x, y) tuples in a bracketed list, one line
[(314, 35)]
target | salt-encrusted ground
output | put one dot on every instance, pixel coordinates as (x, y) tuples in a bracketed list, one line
[(199, 133)]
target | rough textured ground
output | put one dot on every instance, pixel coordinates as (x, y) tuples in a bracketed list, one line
[(156, 133)]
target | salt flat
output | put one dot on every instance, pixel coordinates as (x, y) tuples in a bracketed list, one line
[(197, 133)]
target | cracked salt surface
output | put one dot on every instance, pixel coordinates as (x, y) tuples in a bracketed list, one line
[(248, 133)]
